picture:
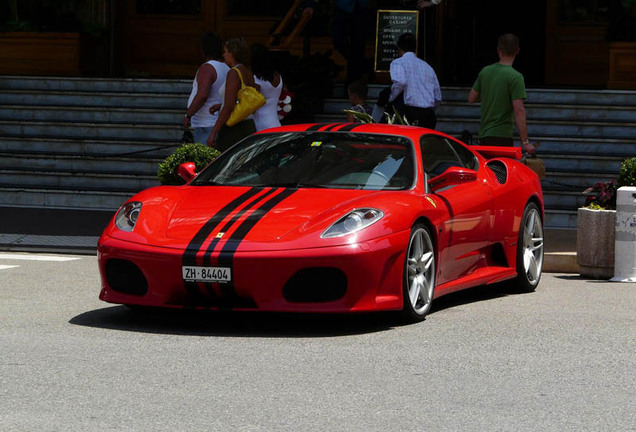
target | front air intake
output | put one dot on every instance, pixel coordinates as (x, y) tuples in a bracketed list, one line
[(316, 285), (125, 277), (500, 170)]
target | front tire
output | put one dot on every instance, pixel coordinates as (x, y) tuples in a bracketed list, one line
[(530, 249), (419, 275)]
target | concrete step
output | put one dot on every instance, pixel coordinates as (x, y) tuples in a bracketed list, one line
[(622, 148), (538, 128), (563, 200), (609, 165), (79, 146), (547, 96), (55, 198), (104, 100), (79, 180), (122, 131), (571, 113), (573, 180), (565, 219), (91, 115), (79, 163), (91, 85)]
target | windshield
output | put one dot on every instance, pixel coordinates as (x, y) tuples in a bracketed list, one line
[(315, 160)]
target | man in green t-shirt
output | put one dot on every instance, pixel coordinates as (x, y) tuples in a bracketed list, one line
[(501, 91)]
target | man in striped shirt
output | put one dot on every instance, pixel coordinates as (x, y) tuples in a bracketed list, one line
[(417, 81)]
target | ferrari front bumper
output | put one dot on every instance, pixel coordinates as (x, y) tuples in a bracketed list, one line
[(365, 276)]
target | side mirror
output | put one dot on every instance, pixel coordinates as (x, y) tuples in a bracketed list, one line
[(187, 171), (452, 177)]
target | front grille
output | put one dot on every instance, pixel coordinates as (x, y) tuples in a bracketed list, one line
[(500, 170), (125, 277), (316, 285)]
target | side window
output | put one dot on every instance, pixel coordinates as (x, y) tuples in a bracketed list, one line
[(438, 155), (466, 156)]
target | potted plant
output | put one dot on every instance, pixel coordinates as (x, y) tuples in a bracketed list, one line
[(596, 224), (199, 154)]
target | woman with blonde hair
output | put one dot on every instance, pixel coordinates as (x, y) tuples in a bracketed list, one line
[(236, 55)]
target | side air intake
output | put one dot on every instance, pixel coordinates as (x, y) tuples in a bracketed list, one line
[(500, 170)]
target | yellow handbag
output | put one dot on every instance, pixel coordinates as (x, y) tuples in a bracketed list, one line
[(248, 100)]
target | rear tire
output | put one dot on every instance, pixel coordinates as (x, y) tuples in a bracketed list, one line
[(418, 285), (530, 249)]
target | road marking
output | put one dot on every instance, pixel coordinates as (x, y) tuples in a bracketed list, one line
[(4, 267), (31, 257)]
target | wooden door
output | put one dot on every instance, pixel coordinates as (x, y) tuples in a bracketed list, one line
[(576, 43), (162, 36)]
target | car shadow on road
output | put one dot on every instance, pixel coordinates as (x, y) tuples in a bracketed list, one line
[(234, 323), (265, 324), (472, 295)]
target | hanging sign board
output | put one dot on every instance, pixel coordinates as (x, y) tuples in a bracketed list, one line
[(390, 25)]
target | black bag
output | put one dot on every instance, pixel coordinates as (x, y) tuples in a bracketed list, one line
[(535, 164), (187, 137)]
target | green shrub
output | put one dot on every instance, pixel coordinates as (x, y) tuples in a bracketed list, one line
[(627, 173), (200, 154)]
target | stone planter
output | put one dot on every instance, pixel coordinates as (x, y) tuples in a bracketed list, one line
[(595, 238)]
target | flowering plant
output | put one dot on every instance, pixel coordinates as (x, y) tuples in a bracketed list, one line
[(601, 196)]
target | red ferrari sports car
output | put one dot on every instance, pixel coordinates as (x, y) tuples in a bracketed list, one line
[(329, 218)]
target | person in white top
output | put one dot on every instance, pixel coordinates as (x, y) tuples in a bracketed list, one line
[(210, 77), (417, 81), (271, 84)]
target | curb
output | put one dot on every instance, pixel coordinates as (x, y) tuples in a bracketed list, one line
[(560, 262)]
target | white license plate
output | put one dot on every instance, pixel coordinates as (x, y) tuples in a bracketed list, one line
[(207, 274)]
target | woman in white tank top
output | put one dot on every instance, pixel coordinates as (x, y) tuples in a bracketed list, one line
[(210, 77), (271, 86)]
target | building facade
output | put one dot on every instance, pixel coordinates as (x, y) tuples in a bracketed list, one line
[(564, 43)]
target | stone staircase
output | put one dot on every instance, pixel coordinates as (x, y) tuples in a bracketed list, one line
[(85, 143), (91, 143)]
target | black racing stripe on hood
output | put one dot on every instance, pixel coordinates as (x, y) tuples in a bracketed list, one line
[(228, 225), (349, 127), (190, 255), (316, 127), (333, 126), (226, 255)]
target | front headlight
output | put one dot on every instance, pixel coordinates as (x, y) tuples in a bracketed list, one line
[(127, 216), (353, 222)]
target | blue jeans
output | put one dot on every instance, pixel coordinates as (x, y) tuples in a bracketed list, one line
[(201, 134)]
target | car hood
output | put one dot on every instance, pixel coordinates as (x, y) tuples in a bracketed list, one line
[(258, 214)]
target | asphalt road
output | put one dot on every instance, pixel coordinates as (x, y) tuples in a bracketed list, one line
[(560, 359)]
